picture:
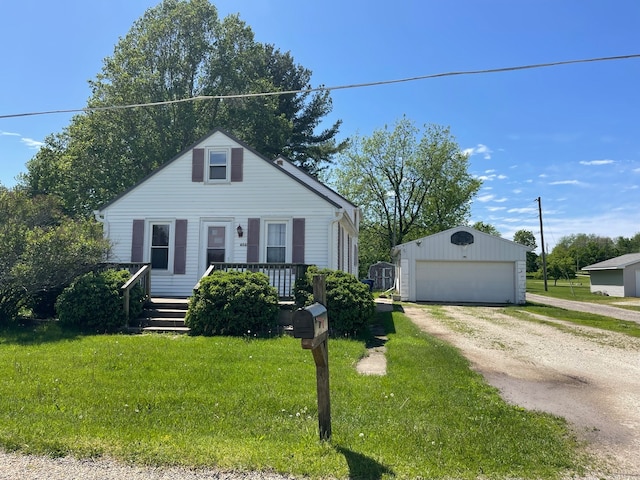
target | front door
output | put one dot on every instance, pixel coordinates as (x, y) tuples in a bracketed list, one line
[(216, 243)]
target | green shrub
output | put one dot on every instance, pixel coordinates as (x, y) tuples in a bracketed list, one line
[(11, 299), (350, 305), (233, 303), (94, 302)]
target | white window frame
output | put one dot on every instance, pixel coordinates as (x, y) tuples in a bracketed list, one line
[(227, 153), (288, 239), (149, 245)]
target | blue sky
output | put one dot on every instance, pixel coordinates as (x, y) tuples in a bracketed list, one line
[(568, 134)]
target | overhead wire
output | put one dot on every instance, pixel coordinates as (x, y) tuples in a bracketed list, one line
[(326, 89)]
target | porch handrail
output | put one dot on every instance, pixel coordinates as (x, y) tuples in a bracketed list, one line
[(205, 274), (141, 277)]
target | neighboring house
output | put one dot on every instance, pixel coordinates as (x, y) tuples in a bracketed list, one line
[(383, 275), (221, 201), (461, 265), (617, 277)]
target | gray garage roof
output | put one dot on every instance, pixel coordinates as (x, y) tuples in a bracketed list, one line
[(616, 263)]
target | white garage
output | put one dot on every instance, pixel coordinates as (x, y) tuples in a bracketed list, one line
[(461, 265)]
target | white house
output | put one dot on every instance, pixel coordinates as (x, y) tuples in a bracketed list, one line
[(617, 277), (221, 201), (461, 265)]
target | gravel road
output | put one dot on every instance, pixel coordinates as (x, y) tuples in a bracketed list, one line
[(24, 467), (590, 377), (606, 310)]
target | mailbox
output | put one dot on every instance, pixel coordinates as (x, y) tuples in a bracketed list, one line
[(310, 322)]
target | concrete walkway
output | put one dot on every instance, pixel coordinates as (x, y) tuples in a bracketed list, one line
[(375, 361), (606, 310)]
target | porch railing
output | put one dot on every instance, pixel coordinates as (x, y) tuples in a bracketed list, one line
[(282, 276)]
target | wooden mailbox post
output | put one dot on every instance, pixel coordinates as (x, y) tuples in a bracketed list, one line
[(311, 325)]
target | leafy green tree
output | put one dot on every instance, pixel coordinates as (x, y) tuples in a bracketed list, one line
[(41, 251), (486, 228), (628, 245), (559, 266), (180, 50), (528, 239), (408, 181), (587, 249)]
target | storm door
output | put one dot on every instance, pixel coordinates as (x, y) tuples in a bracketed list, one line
[(216, 243)]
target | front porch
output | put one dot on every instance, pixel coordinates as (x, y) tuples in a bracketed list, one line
[(162, 314)]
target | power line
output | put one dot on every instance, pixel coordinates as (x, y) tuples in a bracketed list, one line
[(326, 89)]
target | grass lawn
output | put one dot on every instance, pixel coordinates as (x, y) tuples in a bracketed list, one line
[(251, 405)]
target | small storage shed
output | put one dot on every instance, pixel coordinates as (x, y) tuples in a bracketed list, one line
[(461, 265), (383, 275), (617, 277)]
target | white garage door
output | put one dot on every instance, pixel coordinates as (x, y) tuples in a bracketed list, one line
[(478, 282)]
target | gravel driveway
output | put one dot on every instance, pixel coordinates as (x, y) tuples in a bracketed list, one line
[(588, 376)]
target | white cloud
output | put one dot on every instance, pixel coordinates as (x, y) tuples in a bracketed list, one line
[(496, 209), (486, 198), (491, 177), (597, 162), (8, 134), (501, 200), (523, 210), (566, 182), (516, 191), (31, 143), (480, 149)]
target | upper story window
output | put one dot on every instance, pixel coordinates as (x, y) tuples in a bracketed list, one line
[(160, 246), (218, 165)]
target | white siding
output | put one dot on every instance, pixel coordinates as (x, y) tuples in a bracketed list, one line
[(265, 192)]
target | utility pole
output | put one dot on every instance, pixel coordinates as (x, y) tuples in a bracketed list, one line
[(544, 257)]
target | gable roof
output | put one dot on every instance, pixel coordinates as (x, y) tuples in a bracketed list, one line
[(615, 263), (469, 230), (301, 181), (295, 170)]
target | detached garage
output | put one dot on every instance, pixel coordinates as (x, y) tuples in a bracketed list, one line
[(461, 265), (617, 277)]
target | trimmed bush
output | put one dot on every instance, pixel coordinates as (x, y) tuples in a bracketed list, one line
[(93, 302), (233, 303), (350, 305)]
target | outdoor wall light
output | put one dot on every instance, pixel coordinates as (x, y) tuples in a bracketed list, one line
[(240, 231)]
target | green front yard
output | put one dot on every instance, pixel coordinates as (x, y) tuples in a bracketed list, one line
[(250, 404)]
